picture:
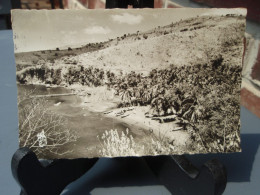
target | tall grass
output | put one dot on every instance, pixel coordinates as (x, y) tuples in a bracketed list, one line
[(113, 143)]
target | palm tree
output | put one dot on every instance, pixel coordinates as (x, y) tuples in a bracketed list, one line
[(146, 97), (126, 95), (157, 106)]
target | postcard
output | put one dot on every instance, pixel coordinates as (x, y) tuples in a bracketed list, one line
[(137, 82)]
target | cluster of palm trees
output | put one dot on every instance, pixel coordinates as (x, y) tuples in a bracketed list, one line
[(206, 95), (85, 76), (44, 74), (75, 74)]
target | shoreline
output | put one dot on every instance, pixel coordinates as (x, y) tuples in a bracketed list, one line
[(135, 116), (132, 116)]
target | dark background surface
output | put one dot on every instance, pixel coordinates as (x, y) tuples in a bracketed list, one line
[(110, 176)]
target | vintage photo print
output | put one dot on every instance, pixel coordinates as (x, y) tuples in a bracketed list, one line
[(108, 83)]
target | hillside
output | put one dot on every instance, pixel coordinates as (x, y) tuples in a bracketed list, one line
[(188, 42), (194, 41), (26, 59)]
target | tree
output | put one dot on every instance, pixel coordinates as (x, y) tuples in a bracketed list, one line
[(126, 95), (40, 129)]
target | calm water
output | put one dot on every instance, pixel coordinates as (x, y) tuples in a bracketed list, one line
[(85, 123)]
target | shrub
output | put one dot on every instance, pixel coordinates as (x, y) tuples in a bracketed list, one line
[(145, 36), (114, 144)]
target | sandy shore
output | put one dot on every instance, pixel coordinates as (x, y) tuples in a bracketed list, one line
[(136, 116)]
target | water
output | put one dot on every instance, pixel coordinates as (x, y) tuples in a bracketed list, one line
[(87, 124)]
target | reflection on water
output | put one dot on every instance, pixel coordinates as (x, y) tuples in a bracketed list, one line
[(87, 124)]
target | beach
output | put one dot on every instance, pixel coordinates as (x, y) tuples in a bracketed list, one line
[(136, 116)]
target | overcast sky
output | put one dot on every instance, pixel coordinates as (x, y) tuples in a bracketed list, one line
[(47, 29)]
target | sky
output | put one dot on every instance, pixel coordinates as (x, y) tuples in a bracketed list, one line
[(35, 30)]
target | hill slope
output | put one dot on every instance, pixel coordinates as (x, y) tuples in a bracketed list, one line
[(194, 41), (189, 42)]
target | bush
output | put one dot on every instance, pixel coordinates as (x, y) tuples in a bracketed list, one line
[(114, 144)]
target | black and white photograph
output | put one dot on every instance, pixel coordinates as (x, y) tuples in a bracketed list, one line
[(132, 82)]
